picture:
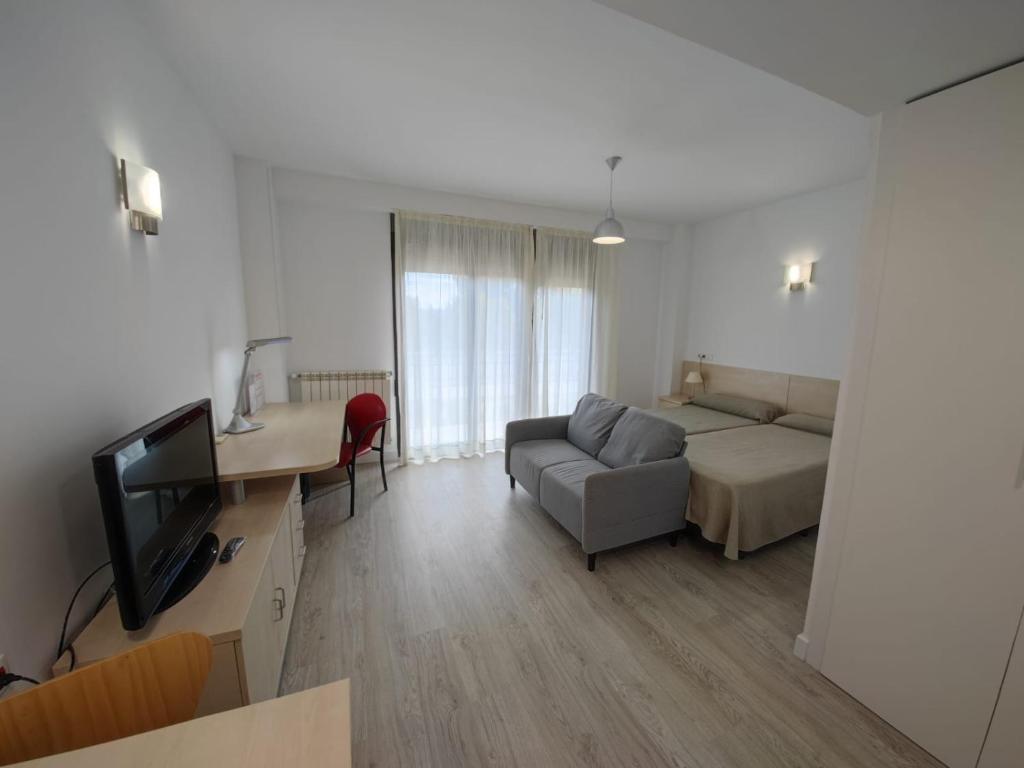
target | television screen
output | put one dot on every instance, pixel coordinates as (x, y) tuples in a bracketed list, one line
[(159, 493)]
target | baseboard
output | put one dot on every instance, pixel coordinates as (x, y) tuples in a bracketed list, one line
[(800, 646)]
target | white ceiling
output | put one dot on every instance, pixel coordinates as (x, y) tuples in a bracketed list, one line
[(870, 55), (513, 99)]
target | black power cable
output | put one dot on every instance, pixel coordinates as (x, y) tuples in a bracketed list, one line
[(61, 648), (9, 677)]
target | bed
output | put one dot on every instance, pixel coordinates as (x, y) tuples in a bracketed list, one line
[(715, 412), (753, 485)]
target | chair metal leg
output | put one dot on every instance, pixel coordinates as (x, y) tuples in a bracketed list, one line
[(511, 482), (352, 489), (591, 561), (383, 474)]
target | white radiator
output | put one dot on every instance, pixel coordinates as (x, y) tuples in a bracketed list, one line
[(307, 386)]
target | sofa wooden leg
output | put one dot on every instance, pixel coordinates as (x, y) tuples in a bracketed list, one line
[(673, 538), (591, 561), (511, 482)]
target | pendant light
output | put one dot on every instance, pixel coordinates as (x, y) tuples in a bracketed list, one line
[(610, 231)]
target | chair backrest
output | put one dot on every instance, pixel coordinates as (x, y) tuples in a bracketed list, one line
[(361, 412), (151, 686)]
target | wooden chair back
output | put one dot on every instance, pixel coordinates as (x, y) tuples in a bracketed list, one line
[(151, 686)]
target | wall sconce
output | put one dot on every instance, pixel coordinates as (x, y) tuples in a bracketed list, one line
[(798, 275), (140, 187)]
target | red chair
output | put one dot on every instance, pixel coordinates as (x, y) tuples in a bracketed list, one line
[(365, 415)]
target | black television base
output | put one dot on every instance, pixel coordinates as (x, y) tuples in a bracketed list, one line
[(192, 573)]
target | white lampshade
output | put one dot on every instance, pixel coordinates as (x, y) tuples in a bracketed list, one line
[(140, 187), (798, 275), (610, 231), (693, 377)]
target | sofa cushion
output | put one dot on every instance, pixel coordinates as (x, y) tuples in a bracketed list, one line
[(531, 457), (561, 492), (592, 422), (639, 437)]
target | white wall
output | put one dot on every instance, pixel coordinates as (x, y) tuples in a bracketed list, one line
[(738, 310), (672, 313), (104, 329), (334, 248)]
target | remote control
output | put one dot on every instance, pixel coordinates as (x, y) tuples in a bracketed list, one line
[(231, 549)]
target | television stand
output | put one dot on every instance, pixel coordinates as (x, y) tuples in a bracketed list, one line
[(202, 560), (244, 607)]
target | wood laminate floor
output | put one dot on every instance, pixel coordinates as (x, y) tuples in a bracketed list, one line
[(474, 636)]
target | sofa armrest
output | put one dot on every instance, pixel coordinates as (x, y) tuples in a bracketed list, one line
[(544, 428), (635, 502)]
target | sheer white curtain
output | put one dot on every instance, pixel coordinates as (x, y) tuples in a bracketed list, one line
[(464, 303), (574, 321)]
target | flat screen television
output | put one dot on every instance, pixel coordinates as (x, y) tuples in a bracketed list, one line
[(159, 495)]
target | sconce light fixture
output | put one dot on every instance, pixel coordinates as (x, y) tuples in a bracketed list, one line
[(797, 276), (140, 187)]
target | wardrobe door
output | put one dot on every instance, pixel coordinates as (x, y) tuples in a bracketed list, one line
[(931, 581), (1004, 747)]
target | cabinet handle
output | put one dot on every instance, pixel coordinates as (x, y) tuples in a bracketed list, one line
[(302, 551), (284, 597), (280, 609), (300, 525)]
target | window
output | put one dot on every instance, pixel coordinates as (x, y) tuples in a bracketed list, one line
[(493, 329)]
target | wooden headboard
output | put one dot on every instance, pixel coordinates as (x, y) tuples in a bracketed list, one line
[(797, 394)]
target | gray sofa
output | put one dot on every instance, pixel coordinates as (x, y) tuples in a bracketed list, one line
[(610, 475)]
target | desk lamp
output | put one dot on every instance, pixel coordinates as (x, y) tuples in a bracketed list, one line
[(239, 423)]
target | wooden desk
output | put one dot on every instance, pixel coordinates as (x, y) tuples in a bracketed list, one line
[(308, 729), (297, 438)]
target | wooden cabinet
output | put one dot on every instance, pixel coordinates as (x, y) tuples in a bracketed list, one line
[(298, 540), (244, 607), (1004, 745), (929, 579)]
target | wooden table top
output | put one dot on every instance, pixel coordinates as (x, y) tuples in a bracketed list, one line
[(308, 729), (297, 438)]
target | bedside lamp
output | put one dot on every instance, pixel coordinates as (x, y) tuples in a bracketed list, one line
[(239, 423), (693, 378)]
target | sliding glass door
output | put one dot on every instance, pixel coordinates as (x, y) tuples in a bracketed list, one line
[(496, 322)]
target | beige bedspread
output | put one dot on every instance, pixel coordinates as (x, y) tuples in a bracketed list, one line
[(754, 485), (697, 420)]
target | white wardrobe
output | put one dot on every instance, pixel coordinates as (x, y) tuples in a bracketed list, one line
[(922, 582)]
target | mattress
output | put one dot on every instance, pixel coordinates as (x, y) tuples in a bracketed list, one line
[(697, 420), (754, 485)]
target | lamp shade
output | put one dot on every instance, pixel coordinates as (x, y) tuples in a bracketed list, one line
[(140, 188), (610, 231), (693, 377), (798, 275), (266, 342)]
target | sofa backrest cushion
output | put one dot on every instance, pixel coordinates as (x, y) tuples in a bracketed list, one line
[(639, 437), (592, 421)]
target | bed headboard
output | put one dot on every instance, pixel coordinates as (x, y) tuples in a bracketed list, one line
[(797, 394)]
